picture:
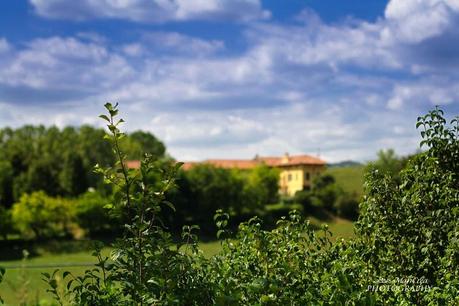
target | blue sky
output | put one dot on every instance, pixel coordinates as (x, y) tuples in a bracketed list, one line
[(235, 78)]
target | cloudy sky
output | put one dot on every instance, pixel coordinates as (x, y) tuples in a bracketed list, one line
[(233, 78)]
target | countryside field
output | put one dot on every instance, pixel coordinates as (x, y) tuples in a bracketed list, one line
[(349, 178)]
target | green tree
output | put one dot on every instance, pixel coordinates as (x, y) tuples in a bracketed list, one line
[(6, 224), (6, 184), (148, 143), (93, 216), (263, 185), (60, 162), (388, 162), (72, 178), (43, 216), (213, 188)]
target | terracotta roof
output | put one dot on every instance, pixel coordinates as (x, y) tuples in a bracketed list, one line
[(133, 164), (188, 165), (232, 163), (283, 161), (292, 160)]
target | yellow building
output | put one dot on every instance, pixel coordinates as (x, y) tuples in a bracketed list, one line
[(296, 172)]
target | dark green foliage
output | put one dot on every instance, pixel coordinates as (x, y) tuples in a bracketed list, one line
[(347, 205), (60, 162), (143, 268), (205, 188), (329, 196), (410, 229), (6, 184), (93, 217), (72, 177), (262, 186), (6, 224), (141, 143), (213, 187), (289, 265)]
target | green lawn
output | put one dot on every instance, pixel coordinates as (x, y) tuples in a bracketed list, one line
[(23, 278), (349, 178)]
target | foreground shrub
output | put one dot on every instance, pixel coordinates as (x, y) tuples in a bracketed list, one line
[(289, 265), (411, 229)]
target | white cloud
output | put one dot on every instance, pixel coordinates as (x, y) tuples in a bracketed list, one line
[(152, 11), (4, 45), (173, 41), (429, 92), (322, 44), (347, 89), (413, 21), (134, 49), (64, 64)]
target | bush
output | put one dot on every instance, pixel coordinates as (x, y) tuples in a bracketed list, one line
[(289, 265), (329, 196), (304, 197), (411, 229), (347, 205), (43, 216)]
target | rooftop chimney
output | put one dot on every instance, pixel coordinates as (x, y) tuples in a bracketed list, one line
[(285, 158)]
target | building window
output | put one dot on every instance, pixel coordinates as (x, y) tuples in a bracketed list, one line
[(289, 177), (296, 177), (306, 176)]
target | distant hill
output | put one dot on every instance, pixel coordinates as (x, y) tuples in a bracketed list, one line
[(344, 163), (349, 177)]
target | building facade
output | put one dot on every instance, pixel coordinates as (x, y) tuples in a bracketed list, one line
[(297, 172)]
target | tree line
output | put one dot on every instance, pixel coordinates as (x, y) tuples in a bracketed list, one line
[(60, 161), (48, 186)]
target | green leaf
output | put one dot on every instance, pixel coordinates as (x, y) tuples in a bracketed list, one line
[(69, 284), (170, 205), (104, 117), (108, 106)]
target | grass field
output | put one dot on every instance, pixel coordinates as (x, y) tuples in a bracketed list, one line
[(23, 278), (349, 178)]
